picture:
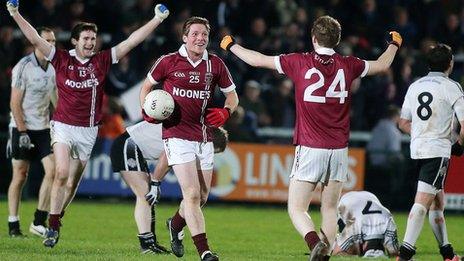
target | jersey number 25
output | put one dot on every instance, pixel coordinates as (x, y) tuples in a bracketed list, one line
[(331, 92)]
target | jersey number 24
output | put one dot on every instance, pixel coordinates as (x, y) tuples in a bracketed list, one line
[(331, 92)]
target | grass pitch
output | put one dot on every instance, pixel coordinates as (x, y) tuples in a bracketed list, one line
[(95, 230)]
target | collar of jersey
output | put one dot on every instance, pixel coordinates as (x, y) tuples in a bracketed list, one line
[(325, 51), (183, 53), (73, 53), (437, 74), (34, 59)]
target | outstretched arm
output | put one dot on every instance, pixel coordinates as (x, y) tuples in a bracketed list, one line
[(27, 29), (161, 13), (386, 59), (253, 58)]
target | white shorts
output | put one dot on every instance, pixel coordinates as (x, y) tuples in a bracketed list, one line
[(320, 165), (179, 151), (79, 139)]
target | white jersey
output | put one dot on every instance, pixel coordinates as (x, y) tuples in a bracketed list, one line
[(38, 86), (365, 218), (147, 136), (429, 105)]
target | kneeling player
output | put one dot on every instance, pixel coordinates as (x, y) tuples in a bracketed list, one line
[(129, 153), (366, 227)]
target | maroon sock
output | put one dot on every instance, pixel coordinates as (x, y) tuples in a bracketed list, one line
[(312, 239), (178, 222), (201, 242), (54, 221)]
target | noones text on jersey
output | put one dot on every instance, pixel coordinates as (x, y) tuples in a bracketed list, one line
[(89, 83), (194, 94)]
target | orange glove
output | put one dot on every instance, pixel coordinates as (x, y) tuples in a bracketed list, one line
[(395, 38), (227, 42)]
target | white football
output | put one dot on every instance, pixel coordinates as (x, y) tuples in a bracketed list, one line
[(158, 104)]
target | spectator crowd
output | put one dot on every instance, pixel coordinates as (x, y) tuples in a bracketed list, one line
[(271, 27)]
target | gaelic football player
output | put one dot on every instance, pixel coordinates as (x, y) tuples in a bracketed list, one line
[(191, 75), (428, 114), (80, 78), (32, 89), (322, 92), (366, 227), (130, 152)]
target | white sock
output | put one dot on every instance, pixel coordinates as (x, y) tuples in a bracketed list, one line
[(415, 223), (438, 224), (13, 218)]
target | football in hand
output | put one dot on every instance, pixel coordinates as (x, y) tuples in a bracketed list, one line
[(159, 104)]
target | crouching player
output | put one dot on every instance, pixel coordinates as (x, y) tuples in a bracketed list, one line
[(129, 155), (366, 227)]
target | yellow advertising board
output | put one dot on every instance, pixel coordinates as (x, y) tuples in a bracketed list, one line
[(260, 173)]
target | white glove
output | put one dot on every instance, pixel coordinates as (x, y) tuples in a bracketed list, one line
[(12, 6), (154, 193), (161, 12), (25, 141)]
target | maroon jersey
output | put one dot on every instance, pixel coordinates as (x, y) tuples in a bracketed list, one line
[(192, 86), (322, 95), (80, 86)]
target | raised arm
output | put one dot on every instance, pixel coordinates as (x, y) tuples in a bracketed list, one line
[(253, 58), (161, 13), (386, 59), (27, 29)]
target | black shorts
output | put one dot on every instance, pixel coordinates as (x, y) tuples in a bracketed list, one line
[(126, 155), (42, 145), (433, 171)]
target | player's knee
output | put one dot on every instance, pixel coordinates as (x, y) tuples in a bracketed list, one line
[(418, 210), (61, 171), (191, 196), (294, 210), (49, 173), (20, 172), (70, 186)]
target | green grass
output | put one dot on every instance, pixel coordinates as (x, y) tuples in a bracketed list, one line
[(95, 230)]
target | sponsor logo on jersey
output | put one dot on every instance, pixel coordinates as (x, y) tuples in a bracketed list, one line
[(194, 73), (179, 74), (193, 94), (89, 83), (131, 162)]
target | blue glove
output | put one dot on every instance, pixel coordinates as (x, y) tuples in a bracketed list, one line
[(12, 6)]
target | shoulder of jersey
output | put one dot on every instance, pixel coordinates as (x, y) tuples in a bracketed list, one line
[(26, 59), (214, 57), (169, 56), (457, 84)]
